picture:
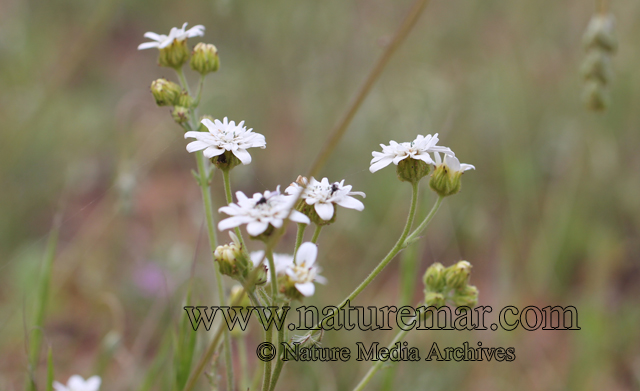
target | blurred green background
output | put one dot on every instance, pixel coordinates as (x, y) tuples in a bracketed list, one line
[(551, 216)]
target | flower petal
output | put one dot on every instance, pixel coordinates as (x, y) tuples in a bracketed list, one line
[(243, 155), (324, 210), (351, 203), (307, 254), (148, 45), (382, 163), (230, 222), (255, 228), (307, 289), (212, 151), (196, 146), (298, 217)]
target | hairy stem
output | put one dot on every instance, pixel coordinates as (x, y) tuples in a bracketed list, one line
[(299, 238), (227, 192), (280, 362), (425, 222)]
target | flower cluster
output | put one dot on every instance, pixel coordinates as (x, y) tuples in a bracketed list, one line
[(450, 284), (413, 160)]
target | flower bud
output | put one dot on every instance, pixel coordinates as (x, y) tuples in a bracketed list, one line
[(412, 170), (434, 279), (231, 259), (204, 58), (225, 161), (180, 114), (174, 55), (458, 275), (444, 181), (466, 297), (165, 92), (184, 100), (434, 299)]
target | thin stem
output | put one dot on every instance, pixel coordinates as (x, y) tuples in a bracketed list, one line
[(274, 281), (341, 127), (601, 6), (211, 230), (385, 261), (425, 222), (183, 80), (199, 92), (316, 233), (244, 367), (375, 367), (280, 362), (299, 238), (227, 191), (266, 378)]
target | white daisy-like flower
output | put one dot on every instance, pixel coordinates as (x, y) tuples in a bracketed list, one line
[(417, 149), (260, 211), (161, 41), (225, 136), (303, 273), (77, 383), (322, 195), (453, 163)]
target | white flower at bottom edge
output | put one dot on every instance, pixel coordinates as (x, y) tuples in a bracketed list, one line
[(304, 273), (323, 195), (260, 211), (225, 136), (453, 163), (77, 383), (417, 149), (178, 34)]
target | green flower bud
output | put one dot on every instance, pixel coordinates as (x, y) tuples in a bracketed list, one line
[(434, 279), (180, 114), (184, 100), (595, 95), (174, 55), (434, 299), (226, 161), (597, 65), (445, 181), (231, 259), (165, 92), (412, 170), (600, 33), (466, 297), (458, 275), (204, 58)]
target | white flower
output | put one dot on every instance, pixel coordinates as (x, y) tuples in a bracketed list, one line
[(324, 194), (225, 136), (178, 34), (303, 273), (417, 149), (77, 383), (280, 261), (260, 211), (453, 163)]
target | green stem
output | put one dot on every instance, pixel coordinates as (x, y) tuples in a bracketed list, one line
[(425, 222), (316, 233), (266, 379), (385, 261), (213, 243), (299, 238), (199, 93), (375, 367), (227, 192), (280, 362), (244, 367), (183, 80), (274, 281)]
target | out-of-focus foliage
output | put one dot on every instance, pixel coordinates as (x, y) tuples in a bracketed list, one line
[(550, 217)]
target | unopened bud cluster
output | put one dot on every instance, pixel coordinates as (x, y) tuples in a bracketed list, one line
[(449, 284), (232, 260), (600, 44)]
